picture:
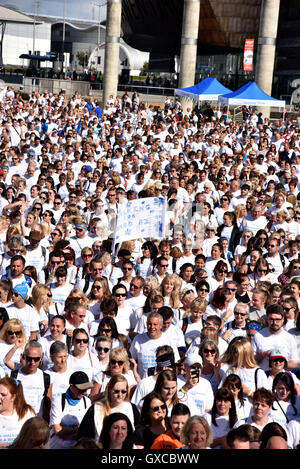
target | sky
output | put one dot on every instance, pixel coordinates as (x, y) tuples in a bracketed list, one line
[(78, 9)]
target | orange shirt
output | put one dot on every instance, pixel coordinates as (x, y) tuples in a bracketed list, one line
[(166, 441)]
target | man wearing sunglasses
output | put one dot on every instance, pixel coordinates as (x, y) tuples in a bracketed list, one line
[(47, 274), (35, 382), (80, 240)]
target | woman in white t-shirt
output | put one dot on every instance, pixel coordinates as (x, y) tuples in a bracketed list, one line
[(119, 364), (242, 404), (12, 338), (80, 357), (222, 417), (14, 411), (60, 289), (239, 359)]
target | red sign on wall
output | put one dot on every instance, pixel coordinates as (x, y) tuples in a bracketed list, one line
[(248, 54)]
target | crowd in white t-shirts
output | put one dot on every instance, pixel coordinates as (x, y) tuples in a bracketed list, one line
[(226, 276)]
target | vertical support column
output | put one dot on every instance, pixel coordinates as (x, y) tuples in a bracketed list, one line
[(264, 68), (112, 48), (189, 41)]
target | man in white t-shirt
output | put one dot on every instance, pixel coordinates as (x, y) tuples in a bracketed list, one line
[(143, 346), (274, 336), (254, 221), (32, 378), (19, 309)]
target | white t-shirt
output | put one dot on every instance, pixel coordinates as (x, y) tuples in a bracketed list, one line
[(4, 349), (28, 317), (59, 381), (89, 363), (143, 350), (202, 395), (264, 340), (33, 387), (219, 430), (285, 410), (71, 415), (10, 426), (247, 376)]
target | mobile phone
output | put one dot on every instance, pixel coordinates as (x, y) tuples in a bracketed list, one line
[(195, 373)]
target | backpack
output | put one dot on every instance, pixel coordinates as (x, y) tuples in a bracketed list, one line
[(282, 258), (46, 377)]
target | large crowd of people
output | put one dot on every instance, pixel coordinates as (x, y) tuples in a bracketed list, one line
[(191, 341)]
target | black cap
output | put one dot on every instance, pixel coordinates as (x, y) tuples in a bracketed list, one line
[(80, 380)]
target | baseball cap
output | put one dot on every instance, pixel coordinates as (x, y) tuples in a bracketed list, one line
[(278, 352), (80, 380)]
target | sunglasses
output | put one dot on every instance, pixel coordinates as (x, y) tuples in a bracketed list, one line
[(231, 289), (203, 290), (79, 341), (105, 330), (223, 271), (117, 362), (17, 333), (118, 391), (239, 314), (120, 295), (159, 407), (280, 360), (34, 359), (207, 350), (96, 287), (134, 286), (103, 349)]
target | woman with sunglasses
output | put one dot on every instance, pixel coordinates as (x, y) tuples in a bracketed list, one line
[(12, 339), (209, 352), (108, 328), (278, 364), (237, 326), (153, 421), (261, 273), (291, 312), (102, 348), (14, 411), (116, 400), (119, 364), (80, 357), (292, 270), (239, 359), (220, 273), (99, 292), (125, 311)]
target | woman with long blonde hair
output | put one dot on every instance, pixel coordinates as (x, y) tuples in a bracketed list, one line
[(119, 364), (40, 300), (170, 289), (239, 359)]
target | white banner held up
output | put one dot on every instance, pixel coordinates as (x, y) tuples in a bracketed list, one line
[(140, 218)]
